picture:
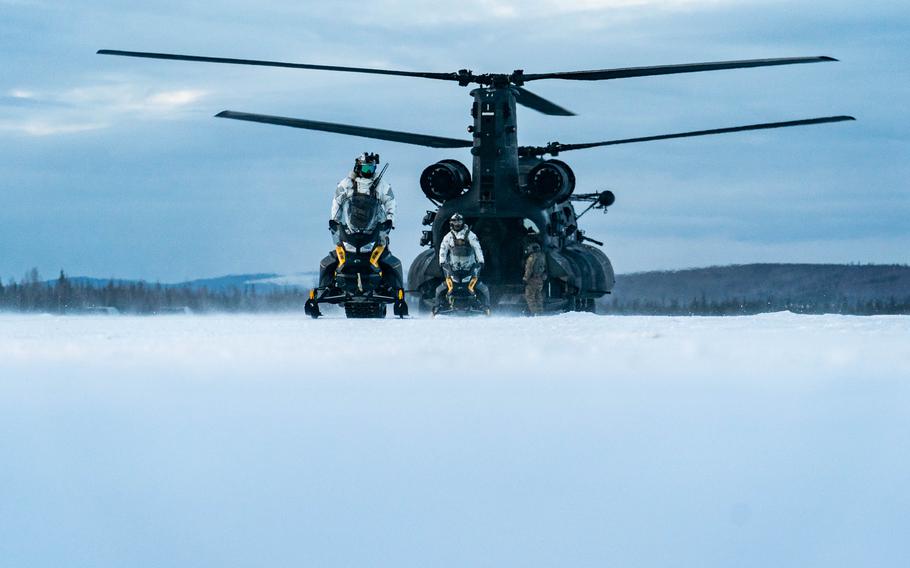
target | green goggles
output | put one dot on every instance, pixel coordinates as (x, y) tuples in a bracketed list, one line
[(368, 168)]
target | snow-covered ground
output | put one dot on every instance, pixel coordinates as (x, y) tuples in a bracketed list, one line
[(577, 440)]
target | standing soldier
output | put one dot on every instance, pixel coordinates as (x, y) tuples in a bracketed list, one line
[(535, 274)]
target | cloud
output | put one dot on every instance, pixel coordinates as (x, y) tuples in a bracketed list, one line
[(121, 98), (42, 128), (21, 98), (50, 113), (21, 94), (174, 99), (396, 13), (573, 6), (17, 102)]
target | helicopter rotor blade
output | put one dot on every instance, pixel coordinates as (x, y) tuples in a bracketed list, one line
[(262, 63), (624, 73), (554, 148), (540, 104), (465, 77), (363, 131)]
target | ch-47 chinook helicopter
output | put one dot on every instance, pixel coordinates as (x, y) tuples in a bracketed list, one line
[(512, 194)]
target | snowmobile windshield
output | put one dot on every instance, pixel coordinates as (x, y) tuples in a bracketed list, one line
[(361, 212), (463, 273), (356, 240)]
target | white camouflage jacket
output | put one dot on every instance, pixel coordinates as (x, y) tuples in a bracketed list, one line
[(448, 243), (351, 185)]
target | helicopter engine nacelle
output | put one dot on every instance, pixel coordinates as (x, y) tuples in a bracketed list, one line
[(549, 182), (444, 180)]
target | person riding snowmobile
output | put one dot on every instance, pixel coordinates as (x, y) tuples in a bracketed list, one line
[(460, 251), (357, 196), (361, 199), (361, 274)]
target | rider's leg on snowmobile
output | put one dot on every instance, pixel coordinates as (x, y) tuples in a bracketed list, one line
[(484, 293), (327, 268), (441, 291), (392, 274)]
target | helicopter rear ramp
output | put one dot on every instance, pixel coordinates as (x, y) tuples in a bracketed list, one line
[(578, 274)]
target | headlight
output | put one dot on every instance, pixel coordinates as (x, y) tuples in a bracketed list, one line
[(366, 248), (349, 247)]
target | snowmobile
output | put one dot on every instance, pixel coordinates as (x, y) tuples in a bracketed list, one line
[(461, 296), (360, 274)]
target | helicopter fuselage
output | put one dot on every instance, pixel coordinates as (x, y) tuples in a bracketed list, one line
[(506, 215)]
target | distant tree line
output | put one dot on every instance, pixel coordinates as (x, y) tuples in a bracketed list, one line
[(734, 306), (65, 296)]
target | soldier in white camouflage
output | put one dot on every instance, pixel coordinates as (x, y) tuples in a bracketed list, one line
[(357, 194), (459, 249)]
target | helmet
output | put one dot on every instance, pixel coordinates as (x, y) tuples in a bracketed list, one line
[(456, 222), (365, 165)]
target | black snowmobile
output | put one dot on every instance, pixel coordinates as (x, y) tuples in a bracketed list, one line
[(461, 296), (360, 274)]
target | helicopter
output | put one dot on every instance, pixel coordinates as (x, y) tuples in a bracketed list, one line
[(512, 195)]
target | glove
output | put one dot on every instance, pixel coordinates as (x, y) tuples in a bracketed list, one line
[(333, 225), (386, 225)]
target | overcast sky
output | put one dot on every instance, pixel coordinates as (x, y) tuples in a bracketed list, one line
[(115, 167)]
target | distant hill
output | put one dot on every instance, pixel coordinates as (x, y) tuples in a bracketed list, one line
[(752, 288), (264, 282)]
